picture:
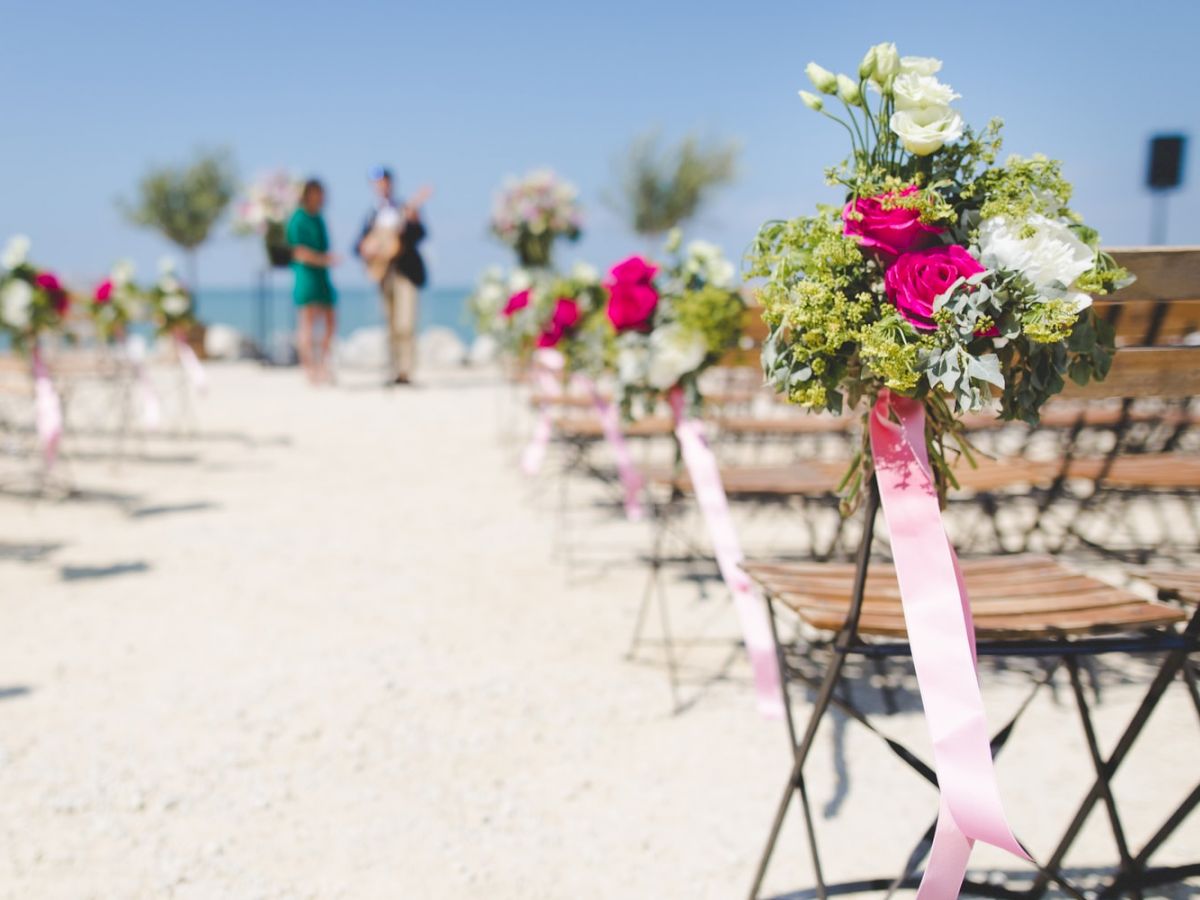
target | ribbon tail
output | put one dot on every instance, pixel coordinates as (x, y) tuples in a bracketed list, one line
[(941, 636), (48, 416), (748, 603), (631, 478), (546, 365), (535, 451), (948, 859), (192, 366)]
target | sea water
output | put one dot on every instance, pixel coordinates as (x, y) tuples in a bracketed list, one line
[(259, 312)]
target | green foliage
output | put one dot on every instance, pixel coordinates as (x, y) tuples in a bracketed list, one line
[(183, 202), (659, 189)]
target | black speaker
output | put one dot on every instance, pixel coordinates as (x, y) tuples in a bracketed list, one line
[(1166, 162)]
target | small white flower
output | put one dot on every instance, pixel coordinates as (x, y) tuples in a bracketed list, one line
[(674, 352), (923, 131), (16, 252), (175, 304), (915, 91), (122, 273), (848, 90), (16, 301), (632, 359), (812, 101), (886, 64), (519, 280), (823, 80)]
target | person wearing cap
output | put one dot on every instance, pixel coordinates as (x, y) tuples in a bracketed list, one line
[(388, 245)]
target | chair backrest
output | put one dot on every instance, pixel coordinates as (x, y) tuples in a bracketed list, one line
[(754, 332), (1153, 317)]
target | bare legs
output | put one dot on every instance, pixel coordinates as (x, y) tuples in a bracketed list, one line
[(316, 364)]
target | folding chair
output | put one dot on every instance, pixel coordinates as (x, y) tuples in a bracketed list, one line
[(1024, 606)]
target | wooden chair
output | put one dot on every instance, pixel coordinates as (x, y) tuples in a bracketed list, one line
[(1024, 606)]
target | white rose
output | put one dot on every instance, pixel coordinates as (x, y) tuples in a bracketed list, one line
[(674, 353), (923, 131), (175, 304), (16, 299), (915, 91), (920, 65), (16, 251), (1052, 258)]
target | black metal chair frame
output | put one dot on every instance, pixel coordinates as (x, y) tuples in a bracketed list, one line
[(1134, 870)]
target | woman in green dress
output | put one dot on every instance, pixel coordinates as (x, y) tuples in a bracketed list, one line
[(312, 291)]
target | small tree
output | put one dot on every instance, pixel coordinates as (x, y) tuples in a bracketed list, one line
[(182, 203), (659, 189)]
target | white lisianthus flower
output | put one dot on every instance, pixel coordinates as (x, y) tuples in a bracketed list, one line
[(16, 252), (175, 304), (491, 295), (848, 90), (1052, 258), (122, 273), (915, 91), (920, 65), (885, 64), (674, 352), (823, 80), (812, 101), (705, 260), (16, 301), (924, 131)]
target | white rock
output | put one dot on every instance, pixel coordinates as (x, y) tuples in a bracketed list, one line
[(483, 350), (225, 342), (440, 348), (365, 348)]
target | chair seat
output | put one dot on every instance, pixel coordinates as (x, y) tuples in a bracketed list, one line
[(1143, 470), (590, 427), (1012, 597), (798, 479)]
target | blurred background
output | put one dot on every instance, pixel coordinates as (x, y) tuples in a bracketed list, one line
[(461, 95)]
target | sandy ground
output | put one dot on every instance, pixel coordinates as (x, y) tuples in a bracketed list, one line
[(324, 649)]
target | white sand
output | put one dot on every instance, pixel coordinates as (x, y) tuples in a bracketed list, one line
[(332, 657)]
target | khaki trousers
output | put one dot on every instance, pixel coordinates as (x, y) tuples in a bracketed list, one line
[(400, 305)]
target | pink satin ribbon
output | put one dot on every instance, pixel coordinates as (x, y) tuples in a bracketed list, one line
[(631, 478), (547, 379), (135, 349), (191, 364), (47, 409), (941, 635), (705, 475)]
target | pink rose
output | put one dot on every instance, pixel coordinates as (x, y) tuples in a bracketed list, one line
[(889, 232), (566, 316), (104, 292), (917, 278), (517, 301), (631, 294), (49, 283)]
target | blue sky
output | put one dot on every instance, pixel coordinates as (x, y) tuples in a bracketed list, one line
[(462, 94)]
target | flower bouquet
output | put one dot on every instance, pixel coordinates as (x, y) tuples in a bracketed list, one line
[(945, 276), (32, 301), (945, 282), (263, 210), (672, 323), (531, 213), (115, 302), (170, 302)]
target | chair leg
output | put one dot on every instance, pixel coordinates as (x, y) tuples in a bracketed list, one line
[(1128, 866), (1171, 665)]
